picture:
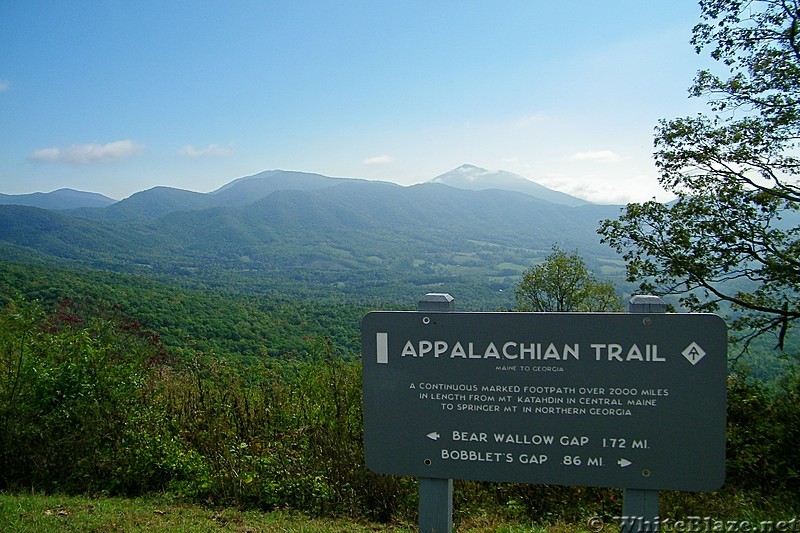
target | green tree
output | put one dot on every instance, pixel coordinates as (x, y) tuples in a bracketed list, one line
[(731, 237), (563, 283)]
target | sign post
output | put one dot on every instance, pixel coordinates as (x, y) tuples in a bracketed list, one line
[(435, 495), (631, 400), (640, 507)]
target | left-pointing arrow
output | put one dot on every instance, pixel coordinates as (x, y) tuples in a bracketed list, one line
[(433, 436)]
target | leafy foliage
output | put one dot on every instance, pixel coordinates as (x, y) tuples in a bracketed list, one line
[(89, 401), (228, 325), (71, 386), (732, 236), (563, 283), (760, 424)]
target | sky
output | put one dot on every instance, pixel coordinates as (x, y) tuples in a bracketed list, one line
[(118, 96)]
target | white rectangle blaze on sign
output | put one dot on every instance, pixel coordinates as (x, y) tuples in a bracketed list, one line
[(382, 348)]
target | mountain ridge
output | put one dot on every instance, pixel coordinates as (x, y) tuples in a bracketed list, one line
[(161, 200), (347, 237), (59, 199)]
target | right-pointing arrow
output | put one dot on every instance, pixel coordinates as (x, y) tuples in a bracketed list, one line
[(624, 462)]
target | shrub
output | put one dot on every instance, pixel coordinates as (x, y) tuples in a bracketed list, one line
[(763, 429), (70, 385)]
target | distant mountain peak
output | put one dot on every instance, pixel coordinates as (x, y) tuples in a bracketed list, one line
[(466, 167), (475, 178), (60, 199), (469, 172)]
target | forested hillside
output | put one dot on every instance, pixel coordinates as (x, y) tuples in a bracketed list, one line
[(225, 325)]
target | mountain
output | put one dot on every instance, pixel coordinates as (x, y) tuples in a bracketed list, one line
[(159, 201), (249, 189), (478, 179), (337, 237), (384, 221), (58, 200), (147, 205)]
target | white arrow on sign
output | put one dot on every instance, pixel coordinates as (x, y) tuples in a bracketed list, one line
[(433, 435), (624, 462)]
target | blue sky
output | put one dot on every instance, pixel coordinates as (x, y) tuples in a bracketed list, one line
[(117, 96)]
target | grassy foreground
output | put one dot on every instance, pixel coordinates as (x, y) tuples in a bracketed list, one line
[(36, 513), (44, 513)]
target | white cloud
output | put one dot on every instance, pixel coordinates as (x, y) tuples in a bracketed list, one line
[(379, 160), (607, 189), (598, 155), (212, 150), (87, 154), (4, 85)]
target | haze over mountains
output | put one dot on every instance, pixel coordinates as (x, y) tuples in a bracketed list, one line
[(478, 179), (60, 199), (468, 230), (245, 190)]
